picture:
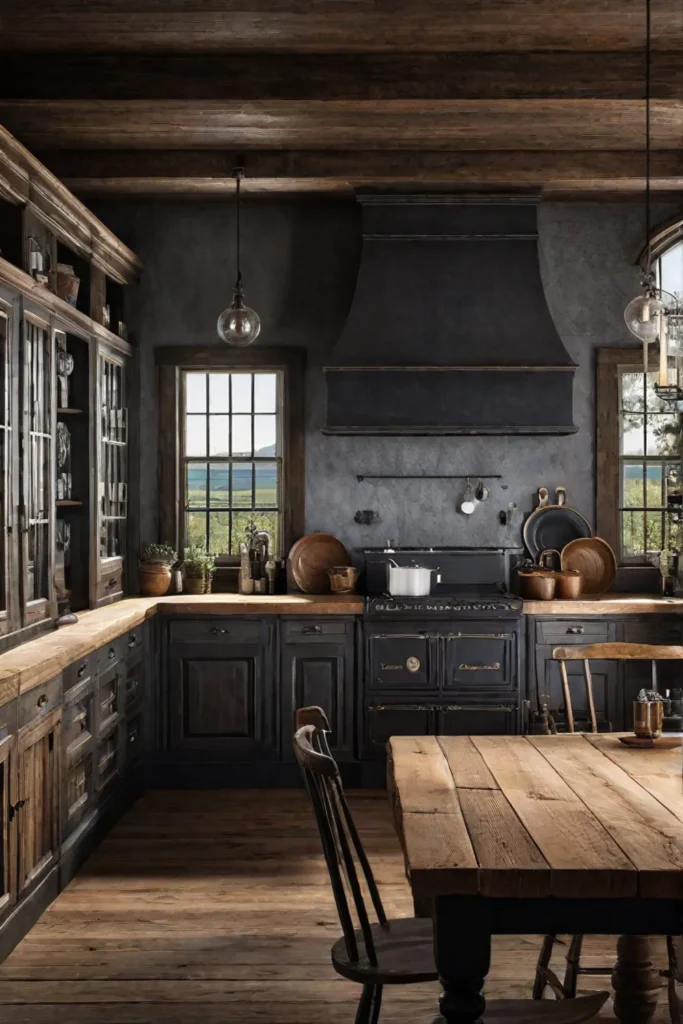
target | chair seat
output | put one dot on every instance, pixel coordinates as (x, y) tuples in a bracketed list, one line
[(405, 954)]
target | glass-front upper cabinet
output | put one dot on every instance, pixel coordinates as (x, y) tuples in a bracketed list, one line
[(113, 474), (37, 497), (6, 482)]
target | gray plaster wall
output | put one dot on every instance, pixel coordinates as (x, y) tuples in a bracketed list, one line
[(300, 261)]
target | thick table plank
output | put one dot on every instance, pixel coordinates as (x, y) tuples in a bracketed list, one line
[(467, 766), (649, 834), (584, 859), (657, 770), (436, 842)]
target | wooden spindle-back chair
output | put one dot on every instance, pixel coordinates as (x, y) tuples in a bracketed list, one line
[(373, 950), (584, 653)]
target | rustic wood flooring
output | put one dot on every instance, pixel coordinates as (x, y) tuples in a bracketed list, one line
[(213, 906)]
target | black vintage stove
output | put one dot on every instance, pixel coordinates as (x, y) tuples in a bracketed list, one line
[(468, 582)]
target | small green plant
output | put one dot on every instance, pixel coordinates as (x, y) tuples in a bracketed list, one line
[(197, 562), (159, 554)]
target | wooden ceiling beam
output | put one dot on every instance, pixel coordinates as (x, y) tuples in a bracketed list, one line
[(325, 26), (259, 77), (207, 173), (342, 125)]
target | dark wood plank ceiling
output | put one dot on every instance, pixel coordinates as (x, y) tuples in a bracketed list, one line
[(158, 96)]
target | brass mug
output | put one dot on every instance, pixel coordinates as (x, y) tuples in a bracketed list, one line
[(648, 717)]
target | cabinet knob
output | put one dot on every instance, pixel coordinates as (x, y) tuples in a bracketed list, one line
[(111, 654), (216, 630), (82, 670), (576, 630), (311, 629), (113, 582), (42, 701), (133, 640)]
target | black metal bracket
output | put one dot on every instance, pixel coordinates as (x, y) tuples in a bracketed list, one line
[(428, 476)]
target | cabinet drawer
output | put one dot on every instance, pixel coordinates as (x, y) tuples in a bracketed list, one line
[(78, 722), (111, 653), (108, 697), (109, 757), (572, 631), (39, 701), (78, 793), (110, 583), (303, 631), (78, 672), (656, 631), (216, 631)]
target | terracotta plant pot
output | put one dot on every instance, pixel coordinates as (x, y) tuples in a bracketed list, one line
[(194, 585), (154, 579)]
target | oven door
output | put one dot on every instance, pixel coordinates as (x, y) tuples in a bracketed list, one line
[(481, 657), (400, 657)]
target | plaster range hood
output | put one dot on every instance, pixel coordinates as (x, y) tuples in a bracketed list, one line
[(449, 331)]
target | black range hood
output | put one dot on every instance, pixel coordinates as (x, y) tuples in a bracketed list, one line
[(449, 331)]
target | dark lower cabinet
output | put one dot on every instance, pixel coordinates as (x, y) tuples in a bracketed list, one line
[(381, 721), (8, 835), (319, 674), (477, 720), (38, 776), (222, 701)]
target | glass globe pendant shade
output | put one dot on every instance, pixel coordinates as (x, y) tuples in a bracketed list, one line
[(238, 324), (641, 316)]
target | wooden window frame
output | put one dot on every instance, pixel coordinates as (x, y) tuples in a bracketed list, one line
[(172, 361), (608, 482)]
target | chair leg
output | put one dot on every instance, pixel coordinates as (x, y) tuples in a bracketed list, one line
[(573, 961), (544, 976), (365, 1005), (376, 1005), (670, 975)]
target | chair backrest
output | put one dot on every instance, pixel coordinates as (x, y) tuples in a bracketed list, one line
[(341, 843), (607, 652)]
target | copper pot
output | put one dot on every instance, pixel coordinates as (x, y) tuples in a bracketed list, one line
[(343, 579), (568, 584), (537, 584)]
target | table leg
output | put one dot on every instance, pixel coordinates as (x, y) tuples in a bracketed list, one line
[(635, 981), (462, 948)]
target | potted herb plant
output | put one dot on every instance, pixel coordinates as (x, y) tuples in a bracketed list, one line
[(197, 568), (154, 569)]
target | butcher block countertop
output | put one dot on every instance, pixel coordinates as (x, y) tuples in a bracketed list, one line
[(608, 604), (35, 662)]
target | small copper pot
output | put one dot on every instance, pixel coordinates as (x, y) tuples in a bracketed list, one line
[(568, 584), (537, 584), (648, 718)]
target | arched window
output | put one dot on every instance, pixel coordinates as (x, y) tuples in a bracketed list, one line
[(638, 445)]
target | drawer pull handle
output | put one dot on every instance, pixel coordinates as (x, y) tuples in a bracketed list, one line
[(217, 631), (111, 653), (82, 670), (42, 701), (113, 582), (133, 640), (132, 737), (576, 630), (311, 629)]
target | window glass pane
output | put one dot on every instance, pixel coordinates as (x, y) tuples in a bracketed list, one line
[(241, 392), (195, 435), (632, 436), (632, 539), (262, 520), (632, 396), (663, 434), (219, 435), (195, 392), (654, 534), (674, 483), (266, 484), (265, 391), (671, 270), (219, 484), (195, 488), (219, 392), (632, 484), (265, 435), (195, 528), (241, 435), (653, 402), (242, 484), (655, 478), (219, 533)]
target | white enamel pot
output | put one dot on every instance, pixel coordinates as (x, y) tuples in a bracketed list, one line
[(409, 580)]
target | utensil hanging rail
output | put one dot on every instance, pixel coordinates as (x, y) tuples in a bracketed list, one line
[(428, 476)]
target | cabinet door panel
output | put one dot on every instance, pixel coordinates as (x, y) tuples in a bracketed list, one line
[(608, 698), (479, 720), (401, 659), (320, 675), (78, 792), (223, 706), (38, 750), (385, 720), (8, 849), (480, 661)]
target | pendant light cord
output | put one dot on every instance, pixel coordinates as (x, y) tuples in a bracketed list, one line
[(238, 178), (648, 60)]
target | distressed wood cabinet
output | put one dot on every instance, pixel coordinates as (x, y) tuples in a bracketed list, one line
[(38, 783), (223, 690), (317, 667), (8, 833)]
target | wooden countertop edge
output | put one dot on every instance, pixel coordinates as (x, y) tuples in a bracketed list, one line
[(35, 662), (607, 604)]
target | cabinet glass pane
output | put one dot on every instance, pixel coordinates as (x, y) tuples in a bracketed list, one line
[(113, 460), (38, 460), (5, 435)]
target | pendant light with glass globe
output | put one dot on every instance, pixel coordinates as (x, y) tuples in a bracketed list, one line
[(238, 324), (656, 315)]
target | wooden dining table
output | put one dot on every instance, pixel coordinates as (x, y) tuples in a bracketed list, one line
[(565, 834)]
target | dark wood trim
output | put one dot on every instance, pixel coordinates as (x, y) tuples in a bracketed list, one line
[(607, 439), (291, 362), (665, 235)]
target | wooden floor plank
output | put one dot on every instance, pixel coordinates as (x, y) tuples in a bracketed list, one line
[(649, 834), (584, 859)]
